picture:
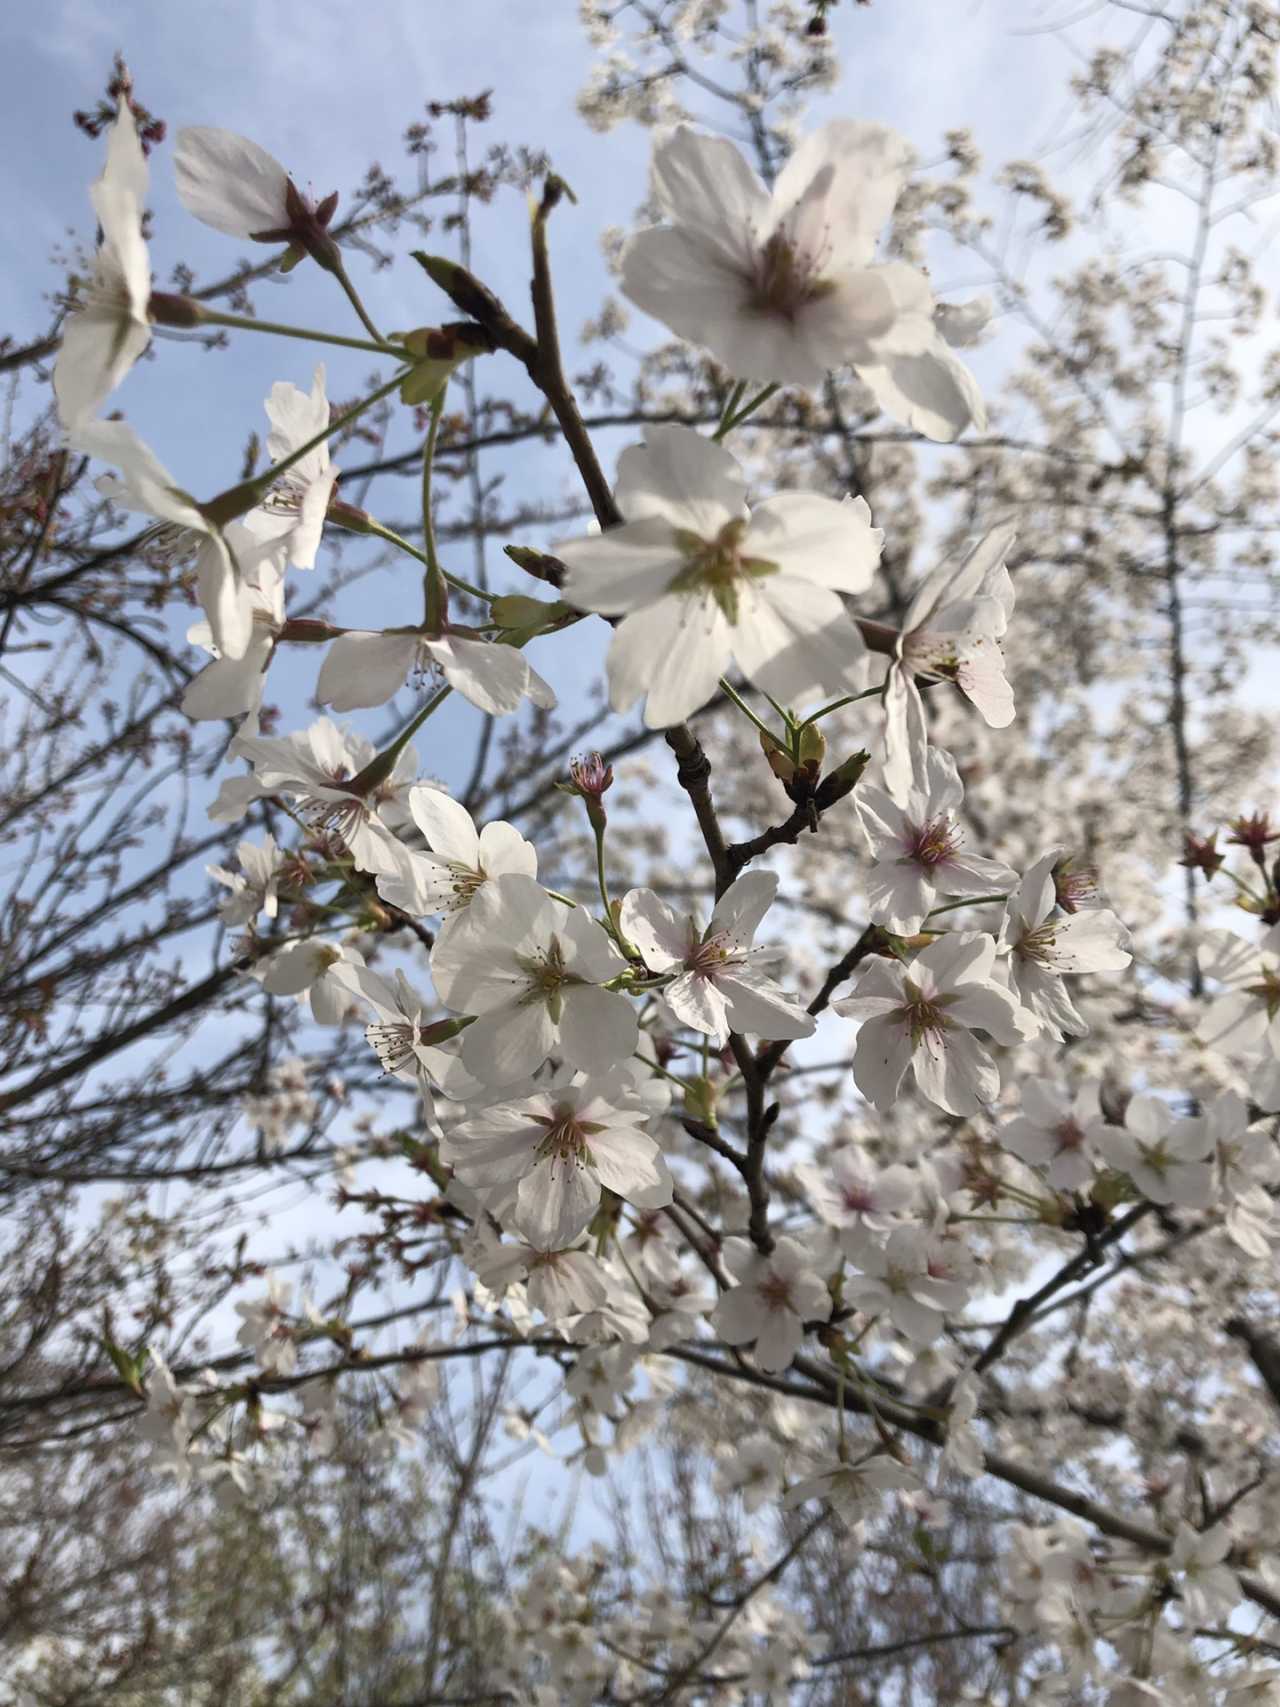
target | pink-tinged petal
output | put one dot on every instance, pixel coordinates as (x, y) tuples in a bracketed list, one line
[(704, 182), (229, 182), (663, 937), (446, 825), (981, 678), (933, 392), (697, 1002), (919, 1322), (743, 905), (503, 849), (675, 651), (795, 640), (229, 687), (900, 893), (817, 539), (906, 734), (1045, 1103), (622, 570), (681, 477), (760, 1008), (780, 1338), (555, 1202), (865, 166), (955, 1072), (365, 669), (874, 314), (630, 1164), (598, 1028), (880, 1059), (508, 1044)]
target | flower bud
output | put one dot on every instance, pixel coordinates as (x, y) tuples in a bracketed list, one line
[(167, 309), (518, 610), (1201, 854), (536, 563), (700, 1099)]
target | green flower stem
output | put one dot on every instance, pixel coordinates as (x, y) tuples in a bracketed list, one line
[(392, 538), (965, 901), (243, 323), (732, 402), (746, 710), (353, 297), (740, 416), (435, 591), (839, 704), (557, 896)]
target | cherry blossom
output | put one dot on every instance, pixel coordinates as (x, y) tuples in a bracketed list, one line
[(922, 1017), (1246, 1016), (323, 972), (561, 1146), (783, 286), (1057, 1132), (1041, 948), (952, 630), (146, 485), (291, 517), (364, 668), (934, 392), (461, 861), (317, 768), (1209, 1589), (917, 847), (255, 887), (701, 582), (912, 1278), (231, 687), (108, 329), (265, 1327), (718, 987), (774, 1296), (860, 1201), (531, 969), (1168, 1159), (235, 186), (854, 1490)]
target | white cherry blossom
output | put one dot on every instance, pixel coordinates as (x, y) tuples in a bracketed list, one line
[(912, 1278), (1169, 1160), (860, 1201), (531, 969), (783, 286), (952, 630), (718, 987), (921, 1017), (1246, 1016), (774, 1297), (323, 972), (1057, 1132), (316, 767), (232, 687), (365, 668), (255, 887), (108, 328), (918, 848), (461, 860), (1042, 948), (855, 1491), (701, 582), (562, 1146), (291, 517), (145, 484)]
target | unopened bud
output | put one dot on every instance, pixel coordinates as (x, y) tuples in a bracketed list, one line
[(700, 1099), (590, 778), (779, 760), (518, 610), (536, 563)]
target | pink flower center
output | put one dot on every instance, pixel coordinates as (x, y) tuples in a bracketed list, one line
[(933, 843)]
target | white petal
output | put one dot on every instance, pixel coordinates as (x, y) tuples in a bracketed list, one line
[(229, 182), (364, 669), (682, 477), (598, 1028), (675, 651), (817, 539)]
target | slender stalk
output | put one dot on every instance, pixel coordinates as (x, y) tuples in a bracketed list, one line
[(839, 704), (731, 403), (353, 297), (379, 531), (746, 710), (434, 589), (243, 323)]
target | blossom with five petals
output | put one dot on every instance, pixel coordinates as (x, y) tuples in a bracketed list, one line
[(774, 1296), (782, 285), (462, 858), (1042, 948), (718, 986), (702, 582), (922, 1017)]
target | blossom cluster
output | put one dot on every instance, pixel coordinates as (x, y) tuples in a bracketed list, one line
[(551, 1110)]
